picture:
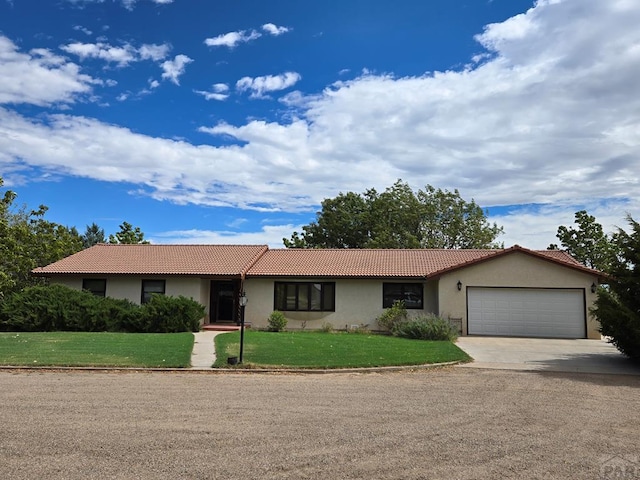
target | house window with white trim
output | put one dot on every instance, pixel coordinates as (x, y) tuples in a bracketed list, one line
[(409, 293), (305, 296), (151, 287)]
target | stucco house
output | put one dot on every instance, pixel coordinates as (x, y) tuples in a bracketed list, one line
[(510, 292)]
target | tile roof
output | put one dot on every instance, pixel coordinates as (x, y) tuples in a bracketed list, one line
[(259, 261), (217, 260), (380, 262)]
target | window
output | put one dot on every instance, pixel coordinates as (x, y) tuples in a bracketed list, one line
[(97, 286), (149, 287), (409, 293), (305, 296)]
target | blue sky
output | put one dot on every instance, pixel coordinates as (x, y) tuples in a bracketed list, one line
[(229, 122)]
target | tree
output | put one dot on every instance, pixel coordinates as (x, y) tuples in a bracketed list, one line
[(451, 222), (128, 234), (398, 218), (93, 235), (27, 241), (618, 306), (588, 243)]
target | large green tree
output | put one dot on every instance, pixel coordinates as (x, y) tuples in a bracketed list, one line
[(618, 306), (128, 234), (27, 241), (398, 218), (588, 243)]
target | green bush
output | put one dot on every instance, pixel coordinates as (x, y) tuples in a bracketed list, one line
[(277, 321), (60, 308), (426, 327), (163, 314), (392, 316)]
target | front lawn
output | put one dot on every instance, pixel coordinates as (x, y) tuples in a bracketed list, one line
[(332, 350), (82, 349)]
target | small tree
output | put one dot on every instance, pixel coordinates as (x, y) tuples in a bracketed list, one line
[(588, 243), (618, 307), (128, 234)]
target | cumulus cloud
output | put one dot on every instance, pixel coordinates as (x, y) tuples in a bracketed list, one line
[(122, 55), (39, 77), (549, 116), (274, 30), (269, 83), (232, 39), (219, 91), (173, 69)]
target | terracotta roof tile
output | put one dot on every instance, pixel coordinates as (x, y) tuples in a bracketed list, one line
[(361, 263), (227, 260), (258, 260)]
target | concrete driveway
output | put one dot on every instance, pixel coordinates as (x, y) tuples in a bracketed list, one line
[(544, 354)]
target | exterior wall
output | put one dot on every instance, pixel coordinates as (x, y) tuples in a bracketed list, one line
[(130, 287), (358, 301), (514, 270)]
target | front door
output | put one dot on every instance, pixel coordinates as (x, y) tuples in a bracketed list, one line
[(223, 301)]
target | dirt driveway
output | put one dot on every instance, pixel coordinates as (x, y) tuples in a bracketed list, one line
[(444, 423)]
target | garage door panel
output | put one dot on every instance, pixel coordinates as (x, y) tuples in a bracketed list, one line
[(526, 312)]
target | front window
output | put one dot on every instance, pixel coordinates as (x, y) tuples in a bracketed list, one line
[(305, 296), (97, 286), (409, 293), (150, 287)]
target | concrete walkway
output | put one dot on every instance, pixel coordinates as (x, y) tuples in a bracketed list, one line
[(544, 354), (204, 352)]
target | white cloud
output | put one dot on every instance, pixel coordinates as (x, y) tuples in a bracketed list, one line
[(271, 235), (232, 39), (269, 83), (549, 117), (173, 69), (82, 29), (219, 92), (272, 29), (122, 55), (153, 51), (39, 77), (128, 4)]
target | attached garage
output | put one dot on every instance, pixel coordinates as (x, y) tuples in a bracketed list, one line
[(526, 312)]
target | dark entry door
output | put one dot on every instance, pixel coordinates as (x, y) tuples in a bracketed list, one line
[(223, 301)]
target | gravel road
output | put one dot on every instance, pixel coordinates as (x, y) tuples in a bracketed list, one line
[(449, 423)]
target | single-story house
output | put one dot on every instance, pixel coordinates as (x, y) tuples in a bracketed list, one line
[(511, 292)]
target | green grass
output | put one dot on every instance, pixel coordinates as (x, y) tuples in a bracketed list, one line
[(96, 349), (332, 350)]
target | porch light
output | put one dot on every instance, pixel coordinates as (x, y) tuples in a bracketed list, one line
[(594, 287), (242, 300), (459, 285)]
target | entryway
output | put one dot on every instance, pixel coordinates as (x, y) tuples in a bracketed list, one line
[(223, 301)]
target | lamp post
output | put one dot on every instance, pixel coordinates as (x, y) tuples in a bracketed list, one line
[(243, 303)]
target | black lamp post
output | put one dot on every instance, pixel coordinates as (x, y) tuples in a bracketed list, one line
[(243, 303)]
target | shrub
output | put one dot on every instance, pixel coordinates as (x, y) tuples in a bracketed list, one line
[(50, 308), (426, 327), (164, 314), (60, 308), (277, 321), (392, 316)]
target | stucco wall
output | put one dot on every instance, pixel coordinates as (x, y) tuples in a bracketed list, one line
[(514, 270), (130, 287), (357, 302)]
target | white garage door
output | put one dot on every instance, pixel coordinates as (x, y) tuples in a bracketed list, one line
[(526, 312)]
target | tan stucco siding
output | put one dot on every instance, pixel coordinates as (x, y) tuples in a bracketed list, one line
[(358, 301), (130, 287), (515, 270)]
